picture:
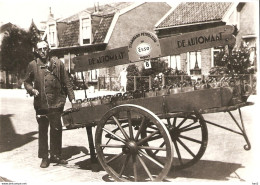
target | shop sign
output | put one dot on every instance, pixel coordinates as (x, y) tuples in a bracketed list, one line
[(209, 38), (147, 64), (143, 49), (142, 46), (101, 59)]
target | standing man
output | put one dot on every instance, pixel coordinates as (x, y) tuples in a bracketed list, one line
[(47, 80), (123, 79)]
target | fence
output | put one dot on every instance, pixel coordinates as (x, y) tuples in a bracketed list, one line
[(149, 82), (108, 83)]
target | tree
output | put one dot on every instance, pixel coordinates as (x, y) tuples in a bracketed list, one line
[(16, 52), (132, 70), (158, 66), (237, 62)]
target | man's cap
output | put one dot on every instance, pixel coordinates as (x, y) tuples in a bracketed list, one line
[(42, 44)]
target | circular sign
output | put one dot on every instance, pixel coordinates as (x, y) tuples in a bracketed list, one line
[(141, 45), (143, 49)]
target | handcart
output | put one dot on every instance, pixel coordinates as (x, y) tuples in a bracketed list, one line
[(139, 133)]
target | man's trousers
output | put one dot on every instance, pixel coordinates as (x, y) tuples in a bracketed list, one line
[(52, 118)]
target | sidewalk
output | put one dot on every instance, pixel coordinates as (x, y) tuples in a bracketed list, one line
[(19, 142), (79, 94)]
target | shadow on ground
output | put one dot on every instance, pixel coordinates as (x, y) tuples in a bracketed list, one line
[(85, 164), (9, 139), (3, 179), (70, 151), (204, 169)]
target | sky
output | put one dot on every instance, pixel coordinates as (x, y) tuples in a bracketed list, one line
[(21, 12)]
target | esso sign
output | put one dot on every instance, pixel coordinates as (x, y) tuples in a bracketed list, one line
[(143, 49)]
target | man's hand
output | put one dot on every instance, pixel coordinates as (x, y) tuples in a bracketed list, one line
[(73, 102), (35, 92)]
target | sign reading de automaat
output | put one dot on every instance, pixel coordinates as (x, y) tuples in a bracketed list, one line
[(107, 58), (145, 45), (219, 36)]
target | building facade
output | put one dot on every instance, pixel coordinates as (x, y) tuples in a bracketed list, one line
[(101, 28), (189, 17)]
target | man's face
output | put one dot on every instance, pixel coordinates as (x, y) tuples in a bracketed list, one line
[(42, 49)]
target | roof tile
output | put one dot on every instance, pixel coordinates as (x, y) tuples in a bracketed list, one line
[(68, 34), (68, 28), (104, 10), (195, 12), (103, 27)]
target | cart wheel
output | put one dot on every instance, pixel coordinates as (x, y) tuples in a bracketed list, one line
[(122, 151), (189, 134)]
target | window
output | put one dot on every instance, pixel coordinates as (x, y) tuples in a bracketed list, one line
[(175, 62), (86, 30), (249, 42), (78, 75), (93, 74), (52, 34), (218, 53), (195, 62)]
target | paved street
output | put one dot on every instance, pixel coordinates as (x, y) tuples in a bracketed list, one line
[(225, 160)]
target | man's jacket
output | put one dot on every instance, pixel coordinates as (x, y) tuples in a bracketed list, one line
[(52, 82)]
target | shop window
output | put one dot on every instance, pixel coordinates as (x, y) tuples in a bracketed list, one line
[(175, 62), (86, 31), (195, 62)]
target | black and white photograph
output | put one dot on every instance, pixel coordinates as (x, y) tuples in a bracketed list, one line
[(129, 91)]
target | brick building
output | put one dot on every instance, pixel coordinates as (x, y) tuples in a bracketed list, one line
[(194, 16), (101, 28)]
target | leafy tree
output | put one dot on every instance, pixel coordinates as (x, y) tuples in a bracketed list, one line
[(158, 66), (238, 62), (16, 52), (132, 70)]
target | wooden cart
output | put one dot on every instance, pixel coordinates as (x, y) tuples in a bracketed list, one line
[(138, 134)]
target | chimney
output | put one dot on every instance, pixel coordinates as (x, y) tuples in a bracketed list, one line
[(51, 16), (97, 6)]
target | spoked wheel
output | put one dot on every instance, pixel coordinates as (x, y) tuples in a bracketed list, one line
[(122, 151), (189, 134)]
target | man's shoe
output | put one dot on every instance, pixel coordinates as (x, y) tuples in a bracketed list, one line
[(45, 163), (58, 160)]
